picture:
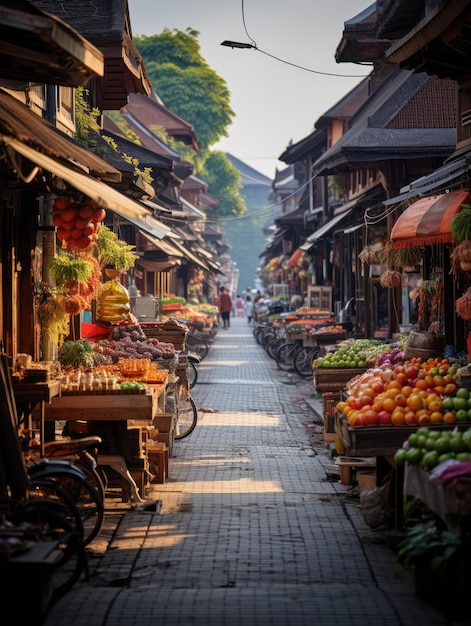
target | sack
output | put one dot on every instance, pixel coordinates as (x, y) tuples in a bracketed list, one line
[(372, 504)]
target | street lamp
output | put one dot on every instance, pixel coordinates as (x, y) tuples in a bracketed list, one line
[(238, 44)]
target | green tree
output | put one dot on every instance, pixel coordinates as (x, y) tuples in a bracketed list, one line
[(224, 183), (187, 84), (189, 87)]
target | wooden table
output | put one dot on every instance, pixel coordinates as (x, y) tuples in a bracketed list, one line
[(28, 396), (121, 407)]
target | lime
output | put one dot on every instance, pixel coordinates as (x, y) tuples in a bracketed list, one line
[(430, 459), (460, 403), (466, 438), (456, 443), (401, 456), (463, 456), (445, 457), (442, 444), (413, 440), (462, 392), (448, 403), (462, 415), (414, 455)]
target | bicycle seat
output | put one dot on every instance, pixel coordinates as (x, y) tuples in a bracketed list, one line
[(62, 447), (193, 357)]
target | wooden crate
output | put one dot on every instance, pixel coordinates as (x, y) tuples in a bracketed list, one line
[(158, 463), (164, 422), (330, 400), (334, 379), (380, 440)]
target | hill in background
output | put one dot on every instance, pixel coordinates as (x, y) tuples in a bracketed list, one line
[(245, 234)]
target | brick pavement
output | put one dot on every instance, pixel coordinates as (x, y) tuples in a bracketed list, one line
[(254, 527)]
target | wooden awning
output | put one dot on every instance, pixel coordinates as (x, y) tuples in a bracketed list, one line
[(428, 221)]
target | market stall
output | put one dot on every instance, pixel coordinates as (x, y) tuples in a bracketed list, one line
[(124, 419)]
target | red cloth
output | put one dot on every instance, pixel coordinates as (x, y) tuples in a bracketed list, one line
[(225, 302), (94, 332)]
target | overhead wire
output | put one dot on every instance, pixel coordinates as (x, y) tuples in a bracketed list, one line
[(301, 67)]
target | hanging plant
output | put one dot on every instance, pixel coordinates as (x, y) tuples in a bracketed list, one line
[(53, 318), (461, 257), (463, 305), (460, 227), (391, 279), (370, 255), (66, 266), (400, 257), (109, 250)]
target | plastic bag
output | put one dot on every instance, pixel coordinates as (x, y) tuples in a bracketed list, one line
[(373, 505)]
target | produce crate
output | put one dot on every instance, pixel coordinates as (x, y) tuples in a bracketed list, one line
[(164, 422), (330, 400), (334, 379), (380, 440)]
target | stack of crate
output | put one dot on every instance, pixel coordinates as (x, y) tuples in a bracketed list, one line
[(170, 332), (165, 425)]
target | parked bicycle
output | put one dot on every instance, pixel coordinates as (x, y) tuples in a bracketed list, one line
[(36, 509), (294, 355)]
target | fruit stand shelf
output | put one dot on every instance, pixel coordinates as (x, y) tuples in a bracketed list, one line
[(379, 440)]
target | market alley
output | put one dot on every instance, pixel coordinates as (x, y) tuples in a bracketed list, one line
[(254, 527)]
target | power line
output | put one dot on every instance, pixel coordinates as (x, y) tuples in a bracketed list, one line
[(253, 45)]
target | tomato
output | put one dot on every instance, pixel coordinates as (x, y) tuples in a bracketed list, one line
[(411, 372), (371, 418), (384, 417), (415, 402), (398, 418), (378, 388)]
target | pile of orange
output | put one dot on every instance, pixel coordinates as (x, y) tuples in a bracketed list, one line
[(411, 394)]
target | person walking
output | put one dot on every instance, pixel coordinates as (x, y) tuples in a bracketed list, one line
[(225, 307), (240, 306), (249, 309)]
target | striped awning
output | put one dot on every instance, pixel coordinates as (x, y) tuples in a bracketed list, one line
[(428, 221)]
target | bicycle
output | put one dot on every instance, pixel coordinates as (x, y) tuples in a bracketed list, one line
[(286, 353), (197, 344), (304, 358), (180, 402), (33, 513)]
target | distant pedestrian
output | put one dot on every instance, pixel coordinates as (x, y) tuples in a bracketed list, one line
[(240, 306), (249, 309), (225, 307)]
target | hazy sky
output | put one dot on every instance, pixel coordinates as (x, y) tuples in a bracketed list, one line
[(274, 102)]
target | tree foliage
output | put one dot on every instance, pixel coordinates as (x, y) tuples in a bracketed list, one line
[(187, 84), (189, 87), (224, 184)]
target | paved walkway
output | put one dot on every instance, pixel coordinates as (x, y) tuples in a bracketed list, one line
[(254, 527)]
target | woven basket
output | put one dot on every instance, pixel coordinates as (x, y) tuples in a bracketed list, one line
[(417, 353)]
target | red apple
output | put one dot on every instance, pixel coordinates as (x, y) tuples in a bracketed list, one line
[(384, 417)]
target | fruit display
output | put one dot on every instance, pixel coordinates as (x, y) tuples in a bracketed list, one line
[(77, 223), (413, 393), (357, 354), (428, 448)]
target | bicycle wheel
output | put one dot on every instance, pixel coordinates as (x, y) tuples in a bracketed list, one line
[(49, 522), (267, 338), (272, 346), (285, 356), (85, 497), (303, 361), (200, 346), (187, 417), (89, 467), (192, 374)]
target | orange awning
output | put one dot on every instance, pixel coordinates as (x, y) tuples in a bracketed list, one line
[(428, 221), (294, 258)]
